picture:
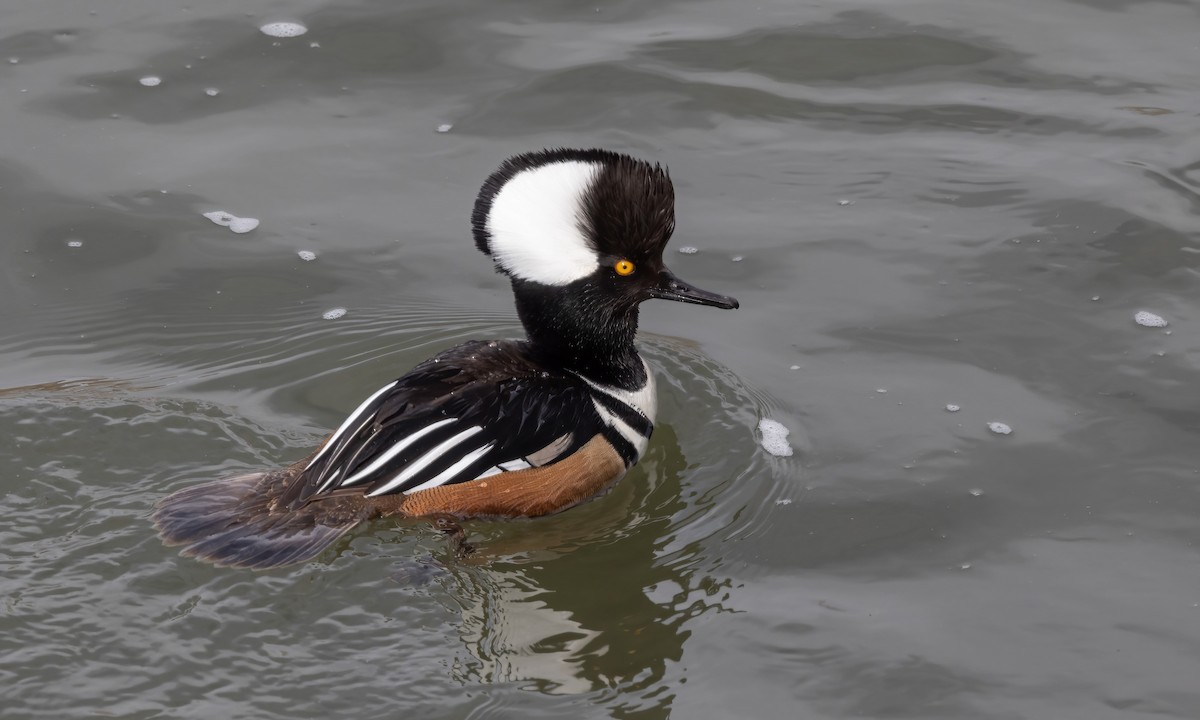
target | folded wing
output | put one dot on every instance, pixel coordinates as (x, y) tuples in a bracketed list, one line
[(450, 423)]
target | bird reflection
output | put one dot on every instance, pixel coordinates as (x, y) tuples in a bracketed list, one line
[(591, 601)]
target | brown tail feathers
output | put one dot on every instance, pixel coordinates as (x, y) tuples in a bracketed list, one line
[(235, 522)]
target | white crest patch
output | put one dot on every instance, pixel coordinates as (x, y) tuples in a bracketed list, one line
[(535, 224)]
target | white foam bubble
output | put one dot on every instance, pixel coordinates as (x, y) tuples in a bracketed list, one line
[(953, 408), (307, 255), (233, 222), (212, 92), (151, 80), (1149, 319), (774, 438), (243, 225), (689, 250), (844, 203), (334, 314), (445, 128), (999, 428), (283, 29), (737, 258), (74, 243)]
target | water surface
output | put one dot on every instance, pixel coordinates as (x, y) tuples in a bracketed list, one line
[(919, 204)]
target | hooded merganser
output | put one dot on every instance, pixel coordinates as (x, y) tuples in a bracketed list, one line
[(507, 428)]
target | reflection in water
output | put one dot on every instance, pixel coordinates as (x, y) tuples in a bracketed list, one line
[(591, 616), (597, 600)]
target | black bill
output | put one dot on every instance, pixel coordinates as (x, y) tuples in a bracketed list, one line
[(672, 288)]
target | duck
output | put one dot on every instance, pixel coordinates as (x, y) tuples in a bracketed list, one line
[(489, 429)]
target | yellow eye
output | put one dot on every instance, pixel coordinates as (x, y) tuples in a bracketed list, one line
[(623, 267)]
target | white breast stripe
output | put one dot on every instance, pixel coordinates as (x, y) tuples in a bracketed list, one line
[(489, 472), (351, 419), (453, 470), (512, 465), (424, 462), (644, 399), (635, 438), (393, 451)]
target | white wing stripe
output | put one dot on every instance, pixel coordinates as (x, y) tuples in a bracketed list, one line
[(353, 416), (453, 470), (393, 451), (332, 475), (424, 462), (512, 465)]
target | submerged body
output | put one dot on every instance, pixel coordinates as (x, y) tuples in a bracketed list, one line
[(486, 429)]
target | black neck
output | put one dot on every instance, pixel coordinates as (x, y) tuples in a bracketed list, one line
[(573, 328)]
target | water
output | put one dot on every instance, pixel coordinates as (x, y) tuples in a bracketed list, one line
[(952, 201)]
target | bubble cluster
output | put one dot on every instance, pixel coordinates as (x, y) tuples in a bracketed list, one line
[(774, 438), (233, 222), (689, 250), (307, 255), (283, 29), (445, 128), (953, 408), (151, 80), (334, 314), (1149, 319), (74, 243), (999, 428)]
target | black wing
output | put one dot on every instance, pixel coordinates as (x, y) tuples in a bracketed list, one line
[(475, 410)]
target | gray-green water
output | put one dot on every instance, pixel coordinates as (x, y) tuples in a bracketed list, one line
[(933, 202)]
